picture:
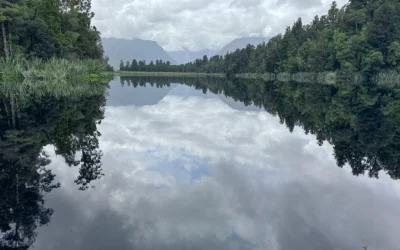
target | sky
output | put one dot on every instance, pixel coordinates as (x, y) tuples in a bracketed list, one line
[(191, 172), (201, 24)]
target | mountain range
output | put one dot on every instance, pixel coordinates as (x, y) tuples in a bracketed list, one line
[(126, 50), (145, 96)]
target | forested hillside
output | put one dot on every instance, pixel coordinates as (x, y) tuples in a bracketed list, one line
[(363, 35), (126, 49), (185, 56), (48, 28)]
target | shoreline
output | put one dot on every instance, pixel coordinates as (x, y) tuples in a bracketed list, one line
[(187, 74)]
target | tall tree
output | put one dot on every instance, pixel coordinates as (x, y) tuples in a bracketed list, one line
[(7, 11)]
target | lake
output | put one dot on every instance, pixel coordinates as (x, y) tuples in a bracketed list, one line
[(200, 163)]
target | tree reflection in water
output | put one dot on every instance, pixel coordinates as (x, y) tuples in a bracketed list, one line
[(28, 122)]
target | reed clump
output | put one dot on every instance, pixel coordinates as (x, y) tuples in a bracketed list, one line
[(21, 69)]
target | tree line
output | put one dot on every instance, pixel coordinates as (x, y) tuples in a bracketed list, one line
[(48, 28), (363, 35), (212, 65)]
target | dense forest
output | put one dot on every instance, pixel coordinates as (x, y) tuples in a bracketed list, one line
[(363, 35), (48, 28), (360, 121)]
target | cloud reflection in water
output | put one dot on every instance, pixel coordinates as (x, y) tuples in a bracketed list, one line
[(190, 172)]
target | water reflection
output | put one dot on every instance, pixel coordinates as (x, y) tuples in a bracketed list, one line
[(188, 167), (360, 121), (29, 120)]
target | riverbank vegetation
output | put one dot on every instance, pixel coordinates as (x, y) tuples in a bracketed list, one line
[(56, 88), (214, 65), (35, 32), (21, 69), (49, 28)]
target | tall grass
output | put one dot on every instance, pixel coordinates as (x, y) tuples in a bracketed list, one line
[(56, 88), (19, 69)]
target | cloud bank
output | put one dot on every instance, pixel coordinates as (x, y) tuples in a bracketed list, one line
[(201, 24)]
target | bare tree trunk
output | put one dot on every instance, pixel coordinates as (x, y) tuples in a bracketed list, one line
[(3, 30), (13, 111), (9, 39), (18, 113), (279, 55), (7, 113), (17, 179)]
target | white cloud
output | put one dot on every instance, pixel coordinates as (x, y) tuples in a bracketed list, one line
[(200, 24)]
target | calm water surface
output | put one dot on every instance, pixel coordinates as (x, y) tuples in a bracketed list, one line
[(185, 169)]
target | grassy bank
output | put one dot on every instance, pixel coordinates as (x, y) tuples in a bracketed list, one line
[(57, 88), (186, 74), (20, 69)]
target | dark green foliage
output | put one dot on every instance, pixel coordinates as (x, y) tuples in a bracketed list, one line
[(48, 28), (385, 26), (212, 65)]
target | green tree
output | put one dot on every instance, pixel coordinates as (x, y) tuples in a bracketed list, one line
[(47, 28), (7, 12), (151, 67), (393, 58), (385, 26)]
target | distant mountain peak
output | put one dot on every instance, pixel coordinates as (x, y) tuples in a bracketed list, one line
[(118, 49), (240, 43)]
